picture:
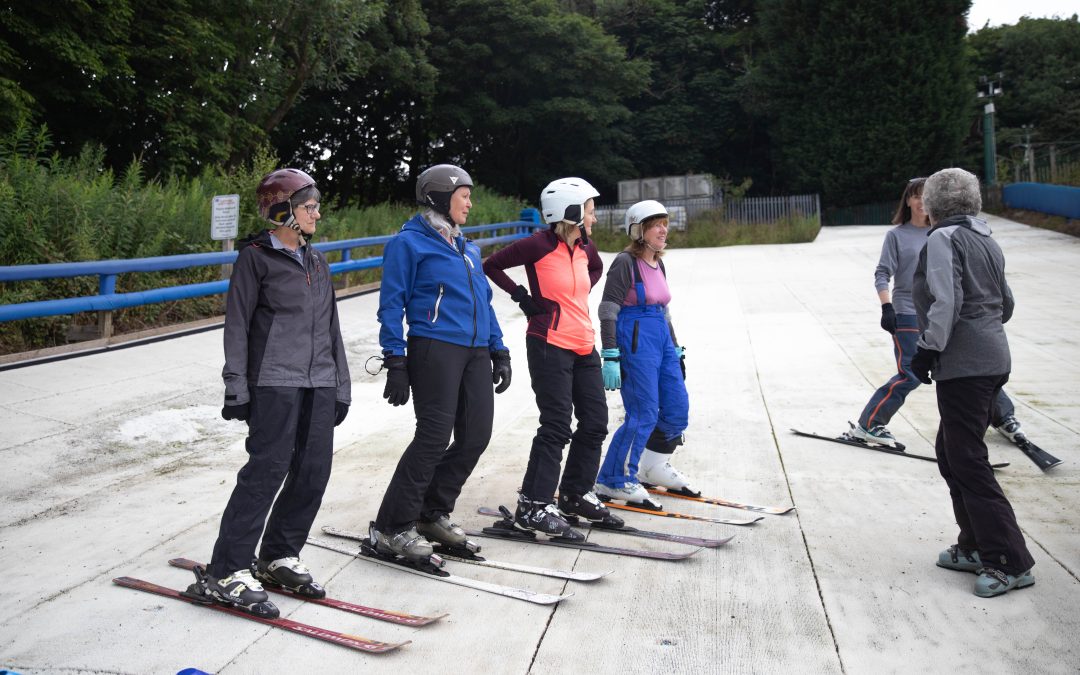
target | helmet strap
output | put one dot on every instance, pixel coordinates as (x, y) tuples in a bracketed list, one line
[(584, 235)]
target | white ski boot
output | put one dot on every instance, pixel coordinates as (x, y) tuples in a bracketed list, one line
[(239, 590), (878, 434), (1010, 429), (291, 574), (654, 469), (633, 494)]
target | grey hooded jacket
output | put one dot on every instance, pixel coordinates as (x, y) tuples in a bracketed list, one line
[(962, 299), (281, 323)]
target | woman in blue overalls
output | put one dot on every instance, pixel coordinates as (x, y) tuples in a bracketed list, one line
[(644, 360)]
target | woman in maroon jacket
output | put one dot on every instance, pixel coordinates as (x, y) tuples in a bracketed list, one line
[(562, 266)]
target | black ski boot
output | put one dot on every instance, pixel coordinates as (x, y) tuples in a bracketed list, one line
[(590, 508), (543, 517), (239, 590), (290, 574)]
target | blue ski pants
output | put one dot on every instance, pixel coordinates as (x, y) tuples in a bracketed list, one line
[(653, 391)]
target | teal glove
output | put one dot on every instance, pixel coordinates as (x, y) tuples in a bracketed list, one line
[(611, 369), (681, 352)]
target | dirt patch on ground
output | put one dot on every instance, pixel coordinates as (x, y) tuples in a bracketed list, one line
[(1045, 221)]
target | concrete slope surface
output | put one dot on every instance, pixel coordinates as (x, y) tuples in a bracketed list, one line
[(115, 462)]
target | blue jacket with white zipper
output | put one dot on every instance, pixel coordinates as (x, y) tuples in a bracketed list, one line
[(439, 287)]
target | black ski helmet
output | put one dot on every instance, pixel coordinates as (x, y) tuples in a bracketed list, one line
[(436, 184)]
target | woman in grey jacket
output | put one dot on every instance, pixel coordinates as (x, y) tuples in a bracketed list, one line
[(286, 376), (962, 301)]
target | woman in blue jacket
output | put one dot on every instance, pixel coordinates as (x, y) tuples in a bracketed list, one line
[(453, 353)]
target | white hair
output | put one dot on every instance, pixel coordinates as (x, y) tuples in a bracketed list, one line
[(951, 192)]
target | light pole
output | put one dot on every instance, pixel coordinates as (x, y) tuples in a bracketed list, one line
[(1029, 152), (992, 88)]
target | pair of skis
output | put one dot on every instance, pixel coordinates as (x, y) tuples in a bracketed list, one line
[(1042, 459), (356, 642)]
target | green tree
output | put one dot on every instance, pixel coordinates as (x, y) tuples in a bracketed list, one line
[(526, 92), (179, 83), (357, 137), (690, 117), (1040, 63), (862, 96)]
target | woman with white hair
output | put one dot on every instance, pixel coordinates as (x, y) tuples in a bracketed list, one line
[(961, 301)]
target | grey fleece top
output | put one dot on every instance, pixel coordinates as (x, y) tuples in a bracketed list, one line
[(962, 300), (899, 254), (620, 279)]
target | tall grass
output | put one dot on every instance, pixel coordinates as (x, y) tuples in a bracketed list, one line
[(75, 209), (710, 229)]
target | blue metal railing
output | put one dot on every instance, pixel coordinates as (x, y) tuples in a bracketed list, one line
[(107, 270)]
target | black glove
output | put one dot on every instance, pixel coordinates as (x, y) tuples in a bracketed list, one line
[(525, 302), (888, 318), (340, 411), (682, 362), (397, 380), (236, 412), (500, 369), (922, 362)]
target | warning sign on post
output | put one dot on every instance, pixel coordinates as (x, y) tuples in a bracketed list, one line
[(225, 217)]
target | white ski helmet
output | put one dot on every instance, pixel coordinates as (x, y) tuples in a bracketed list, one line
[(564, 199), (639, 213)]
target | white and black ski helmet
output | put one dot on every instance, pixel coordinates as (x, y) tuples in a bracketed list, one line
[(436, 184), (639, 213), (564, 199)]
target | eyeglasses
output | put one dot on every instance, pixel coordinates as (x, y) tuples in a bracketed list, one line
[(311, 208)]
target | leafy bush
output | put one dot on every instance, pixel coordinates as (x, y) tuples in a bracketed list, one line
[(68, 210)]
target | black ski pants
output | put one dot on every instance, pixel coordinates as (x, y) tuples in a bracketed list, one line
[(290, 439), (566, 384), (986, 519), (452, 393)]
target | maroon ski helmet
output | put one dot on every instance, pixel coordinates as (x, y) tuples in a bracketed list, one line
[(275, 190)]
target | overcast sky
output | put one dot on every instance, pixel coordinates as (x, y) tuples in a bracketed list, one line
[(1000, 12)]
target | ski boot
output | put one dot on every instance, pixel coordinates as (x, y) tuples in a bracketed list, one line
[(445, 533), (654, 469), (955, 558), (632, 493), (1010, 429), (239, 590), (991, 582), (543, 517), (590, 508), (408, 544), (876, 434), (291, 574)]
